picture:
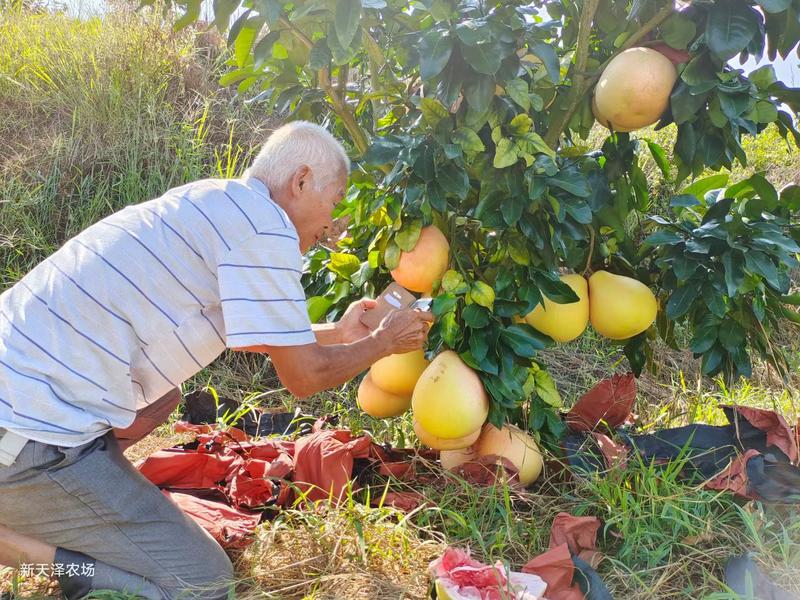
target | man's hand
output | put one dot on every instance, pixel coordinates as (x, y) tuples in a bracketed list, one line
[(404, 330), (350, 328)]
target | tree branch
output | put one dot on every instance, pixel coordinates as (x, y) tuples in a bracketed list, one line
[(583, 83), (578, 88)]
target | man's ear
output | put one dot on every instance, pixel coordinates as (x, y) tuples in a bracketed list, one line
[(301, 180)]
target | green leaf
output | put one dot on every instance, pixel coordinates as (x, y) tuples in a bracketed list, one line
[(546, 389), (759, 263), (705, 336), (681, 300), (504, 155), (532, 143), (223, 9), (685, 107), (731, 335), (244, 41), (190, 16), (408, 236), (678, 30), (391, 256), (479, 92), (453, 281), (711, 360), (484, 58), (385, 149), (730, 27), (348, 14), (343, 264), (548, 56), (473, 31), (517, 89), (524, 340), (512, 208), (443, 304), (569, 182), (436, 46), (660, 157), (556, 290), (763, 77), (478, 345), (453, 179), (482, 294), (317, 307), (765, 112), (263, 50), (468, 140), (320, 55), (706, 184), (475, 316), (451, 332), (663, 236), (520, 124), (684, 201), (433, 111), (734, 272)]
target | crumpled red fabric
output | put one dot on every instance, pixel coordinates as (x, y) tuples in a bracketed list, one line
[(230, 527), (568, 535), (779, 434), (608, 403), (323, 462), (227, 474), (734, 478)]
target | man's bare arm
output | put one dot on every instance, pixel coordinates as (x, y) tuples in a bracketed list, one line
[(308, 369)]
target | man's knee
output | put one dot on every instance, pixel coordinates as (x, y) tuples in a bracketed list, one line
[(210, 576)]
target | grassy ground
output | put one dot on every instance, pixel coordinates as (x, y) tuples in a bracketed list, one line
[(133, 109)]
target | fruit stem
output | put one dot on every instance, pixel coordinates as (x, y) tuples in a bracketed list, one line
[(591, 250)]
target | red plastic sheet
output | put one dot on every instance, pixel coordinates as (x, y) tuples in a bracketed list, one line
[(779, 434)]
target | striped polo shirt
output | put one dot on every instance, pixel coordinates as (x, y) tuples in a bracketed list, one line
[(143, 299)]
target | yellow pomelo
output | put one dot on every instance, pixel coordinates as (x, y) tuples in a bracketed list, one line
[(420, 268), (515, 445), (604, 121), (451, 459), (633, 91), (398, 373), (620, 307), (449, 400), (438, 443), (379, 403), (563, 322)]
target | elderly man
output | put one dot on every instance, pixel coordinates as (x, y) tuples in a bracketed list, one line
[(96, 339)]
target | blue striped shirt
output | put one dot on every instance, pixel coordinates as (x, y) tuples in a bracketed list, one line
[(142, 300)]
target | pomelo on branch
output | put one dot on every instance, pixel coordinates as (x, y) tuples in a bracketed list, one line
[(379, 403), (438, 443), (515, 445), (563, 322), (398, 373), (420, 268), (620, 307), (449, 400), (633, 90)]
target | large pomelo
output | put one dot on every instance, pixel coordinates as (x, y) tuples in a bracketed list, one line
[(379, 403), (515, 445), (420, 268), (449, 400), (633, 90), (438, 443), (563, 322), (620, 307), (398, 373)]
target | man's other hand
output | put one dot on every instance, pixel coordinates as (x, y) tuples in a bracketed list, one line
[(350, 327)]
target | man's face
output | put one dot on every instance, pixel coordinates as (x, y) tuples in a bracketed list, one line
[(317, 210)]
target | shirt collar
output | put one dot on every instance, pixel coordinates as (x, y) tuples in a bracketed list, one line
[(254, 183)]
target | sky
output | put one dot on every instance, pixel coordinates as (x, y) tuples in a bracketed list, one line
[(787, 71)]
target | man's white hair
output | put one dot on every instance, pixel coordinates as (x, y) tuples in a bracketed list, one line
[(296, 144)]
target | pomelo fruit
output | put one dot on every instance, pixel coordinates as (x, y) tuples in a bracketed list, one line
[(633, 90), (515, 445), (438, 443), (379, 403), (449, 400), (420, 268), (398, 373), (620, 307), (451, 459), (563, 322)]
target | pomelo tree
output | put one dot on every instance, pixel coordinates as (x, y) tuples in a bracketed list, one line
[(468, 115)]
